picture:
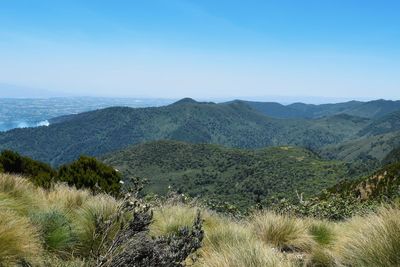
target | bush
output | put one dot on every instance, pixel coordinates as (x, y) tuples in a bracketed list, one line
[(87, 172), (40, 173)]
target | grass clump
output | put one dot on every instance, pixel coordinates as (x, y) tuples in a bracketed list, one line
[(56, 231), (67, 198), (20, 194), (98, 207), (169, 218), (281, 231), (372, 240), (323, 232), (19, 239), (252, 253)]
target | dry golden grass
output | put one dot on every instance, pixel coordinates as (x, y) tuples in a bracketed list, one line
[(21, 195), (373, 240), (18, 239), (248, 253), (264, 239), (67, 198)]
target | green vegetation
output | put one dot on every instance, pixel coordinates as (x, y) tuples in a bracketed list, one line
[(237, 176), (348, 198), (365, 151), (382, 185), (87, 172), (40, 173), (371, 109), (392, 157)]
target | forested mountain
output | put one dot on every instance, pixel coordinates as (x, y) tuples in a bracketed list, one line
[(237, 176), (102, 131), (371, 109), (238, 124), (374, 148), (386, 124)]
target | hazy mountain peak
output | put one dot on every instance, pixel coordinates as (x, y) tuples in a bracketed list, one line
[(186, 100)]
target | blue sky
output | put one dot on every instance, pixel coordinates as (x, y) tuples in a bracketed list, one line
[(203, 48)]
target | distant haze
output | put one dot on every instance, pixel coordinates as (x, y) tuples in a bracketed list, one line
[(205, 49)]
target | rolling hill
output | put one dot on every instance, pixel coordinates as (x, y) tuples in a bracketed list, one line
[(237, 176)]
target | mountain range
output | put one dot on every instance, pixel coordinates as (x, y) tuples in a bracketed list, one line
[(332, 130)]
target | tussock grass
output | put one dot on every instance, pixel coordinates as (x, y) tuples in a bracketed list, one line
[(20, 194), (84, 220), (56, 231), (251, 253), (323, 232), (169, 218), (320, 257), (226, 234), (54, 261), (56, 228), (60, 221), (67, 198), (19, 239), (281, 231), (373, 240)]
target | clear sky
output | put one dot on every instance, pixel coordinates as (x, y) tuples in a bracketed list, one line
[(203, 48)]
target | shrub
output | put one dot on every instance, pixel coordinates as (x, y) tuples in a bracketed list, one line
[(40, 173), (18, 239), (87, 172)]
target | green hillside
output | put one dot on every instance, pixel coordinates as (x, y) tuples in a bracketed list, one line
[(371, 109), (386, 124), (102, 131), (376, 147), (384, 184), (237, 176)]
